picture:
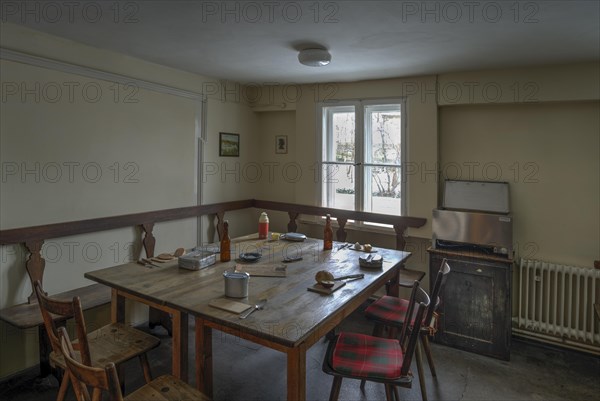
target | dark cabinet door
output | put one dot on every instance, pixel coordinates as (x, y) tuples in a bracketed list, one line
[(475, 311)]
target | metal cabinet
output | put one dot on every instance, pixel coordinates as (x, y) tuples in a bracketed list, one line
[(476, 304)]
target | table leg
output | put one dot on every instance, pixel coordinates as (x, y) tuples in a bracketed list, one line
[(296, 373), (394, 288), (204, 363), (117, 307), (180, 345)]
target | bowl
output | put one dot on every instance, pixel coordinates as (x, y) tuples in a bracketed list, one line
[(250, 257), (370, 261)]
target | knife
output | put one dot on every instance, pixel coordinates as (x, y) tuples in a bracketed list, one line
[(343, 246), (259, 305), (350, 277), (149, 262)]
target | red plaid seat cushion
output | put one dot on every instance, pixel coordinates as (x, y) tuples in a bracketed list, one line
[(367, 356), (388, 309)]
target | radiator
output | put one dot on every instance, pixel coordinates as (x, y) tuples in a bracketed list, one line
[(556, 304)]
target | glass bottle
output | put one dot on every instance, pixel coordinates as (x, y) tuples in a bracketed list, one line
[(328, 235), (225, 243)]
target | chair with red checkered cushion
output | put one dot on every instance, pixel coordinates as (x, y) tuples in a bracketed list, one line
[(390, 312), (382, 360)]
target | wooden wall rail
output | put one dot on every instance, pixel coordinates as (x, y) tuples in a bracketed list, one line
[(400, 223), (22, 235), (33, 237)]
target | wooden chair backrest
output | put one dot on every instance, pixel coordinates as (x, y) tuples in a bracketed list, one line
[(64, 309), (420, 302), (84, 376), (438, 290), (409, 312)]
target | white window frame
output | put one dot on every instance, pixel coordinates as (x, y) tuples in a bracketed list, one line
[(362, 139)]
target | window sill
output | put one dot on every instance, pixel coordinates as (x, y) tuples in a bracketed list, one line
[(350, 226)]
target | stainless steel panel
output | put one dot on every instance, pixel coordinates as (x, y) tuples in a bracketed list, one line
[(486, 229)]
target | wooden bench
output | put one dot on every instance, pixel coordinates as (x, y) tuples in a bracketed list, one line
[(408, 277), (28, 315)]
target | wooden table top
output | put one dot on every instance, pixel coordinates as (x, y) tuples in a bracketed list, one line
[(291, 314)]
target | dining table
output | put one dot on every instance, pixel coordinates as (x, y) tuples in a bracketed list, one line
[(295, 311)]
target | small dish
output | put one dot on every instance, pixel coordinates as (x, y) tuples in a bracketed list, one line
[(362, 248), (250, 257), (370, 261)]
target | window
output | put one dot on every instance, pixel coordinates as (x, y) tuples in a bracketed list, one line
[(362, 152)]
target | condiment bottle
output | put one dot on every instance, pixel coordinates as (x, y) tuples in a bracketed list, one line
[(328, 235), (263, 226), (225, 243)]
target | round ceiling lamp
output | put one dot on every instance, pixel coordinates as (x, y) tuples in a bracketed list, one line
[(314, 57)]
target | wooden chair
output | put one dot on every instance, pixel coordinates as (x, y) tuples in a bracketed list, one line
[(164, 388), (382, 360), (114, 343), (390, 312)]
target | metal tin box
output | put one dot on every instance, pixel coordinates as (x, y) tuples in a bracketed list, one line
[(197, 259)]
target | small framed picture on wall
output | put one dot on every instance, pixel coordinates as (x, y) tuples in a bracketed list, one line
[(281, 144), (229, 144)]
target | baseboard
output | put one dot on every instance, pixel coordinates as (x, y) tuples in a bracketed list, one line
[(23, 375), (553, 345)]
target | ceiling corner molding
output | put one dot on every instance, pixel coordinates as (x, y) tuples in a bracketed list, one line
[(88, 72), (273, 107), (38, 61)]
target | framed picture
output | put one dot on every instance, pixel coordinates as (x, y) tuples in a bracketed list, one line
[(229, 144), (281, 144)]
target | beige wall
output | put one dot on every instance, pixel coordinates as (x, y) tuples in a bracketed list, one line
[(421, 99), (277, 174), (157, 134), (571, 82), (538, 129), (549, 154), (226, 179), (507, 124)]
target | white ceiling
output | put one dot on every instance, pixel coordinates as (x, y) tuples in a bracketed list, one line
[(258, 41)]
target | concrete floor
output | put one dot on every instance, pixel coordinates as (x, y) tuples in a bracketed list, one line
[(245, 371)]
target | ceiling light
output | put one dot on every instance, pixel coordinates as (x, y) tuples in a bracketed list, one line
[(314, 57)]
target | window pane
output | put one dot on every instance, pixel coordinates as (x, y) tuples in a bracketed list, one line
[(342, 125), (383, 190), (339, 184), (383, 134)]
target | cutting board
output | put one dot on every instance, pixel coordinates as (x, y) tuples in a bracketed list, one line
[(263, 269), (322, 290), (229, 305)]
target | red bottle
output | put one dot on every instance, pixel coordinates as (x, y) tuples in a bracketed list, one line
[(225, 243), (328, 235), (263, 226)]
